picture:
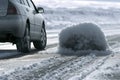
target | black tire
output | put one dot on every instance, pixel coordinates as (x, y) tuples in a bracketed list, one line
[(41, 44), (24, 44)]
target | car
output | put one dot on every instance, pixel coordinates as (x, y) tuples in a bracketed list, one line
[(21, 23)]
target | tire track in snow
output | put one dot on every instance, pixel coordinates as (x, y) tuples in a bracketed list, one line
[(114, 42), (60, 68), (64, 70), (51, 45), (48, 69), (88, 68), (80, 66), (38, 72)]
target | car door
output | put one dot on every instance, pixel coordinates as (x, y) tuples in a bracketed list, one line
[(38, 19), (32, 20)]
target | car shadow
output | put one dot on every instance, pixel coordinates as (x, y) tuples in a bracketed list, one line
[(9, 54)]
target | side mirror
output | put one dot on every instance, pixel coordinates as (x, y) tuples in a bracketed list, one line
[(40, 10)]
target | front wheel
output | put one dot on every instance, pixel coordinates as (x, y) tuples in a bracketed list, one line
[(41, 44), (24, 44)]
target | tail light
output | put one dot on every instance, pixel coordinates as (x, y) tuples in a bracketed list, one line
[(11, 9)]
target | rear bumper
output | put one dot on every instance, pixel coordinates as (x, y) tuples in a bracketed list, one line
[(11, 24)]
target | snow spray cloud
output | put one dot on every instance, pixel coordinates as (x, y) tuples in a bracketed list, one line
[(82, 39)]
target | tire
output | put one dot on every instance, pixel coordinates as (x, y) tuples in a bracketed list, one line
[(24, 44), (41, 44)]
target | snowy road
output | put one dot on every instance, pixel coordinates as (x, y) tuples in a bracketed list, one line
[(49, 64)]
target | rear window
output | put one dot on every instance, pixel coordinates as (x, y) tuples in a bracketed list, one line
[(3, 4)]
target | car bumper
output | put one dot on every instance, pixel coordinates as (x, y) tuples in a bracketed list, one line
[(12, 25)]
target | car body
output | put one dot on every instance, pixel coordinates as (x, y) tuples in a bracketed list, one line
[(20, 18)]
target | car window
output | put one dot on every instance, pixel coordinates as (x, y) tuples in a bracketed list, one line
[(26, 3), (31, 4), (21, 1), (18, 1)]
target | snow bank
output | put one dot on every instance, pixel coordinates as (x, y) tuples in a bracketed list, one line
[(85, 36)]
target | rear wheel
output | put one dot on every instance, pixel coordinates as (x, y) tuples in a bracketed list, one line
[(24, 44), (41, 44)]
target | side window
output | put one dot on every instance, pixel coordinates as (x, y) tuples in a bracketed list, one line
[(30, 4), (18, 1), (21, 1), (26, 3)]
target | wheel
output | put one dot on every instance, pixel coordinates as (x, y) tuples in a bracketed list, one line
[(24, 44), (41, 44)]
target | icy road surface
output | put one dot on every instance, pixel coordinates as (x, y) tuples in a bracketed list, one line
[(50, 65)]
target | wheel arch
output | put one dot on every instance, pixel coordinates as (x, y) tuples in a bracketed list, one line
[(28, 22), (43, 24)]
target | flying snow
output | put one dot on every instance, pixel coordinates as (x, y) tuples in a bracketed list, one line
[(84, 36)]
